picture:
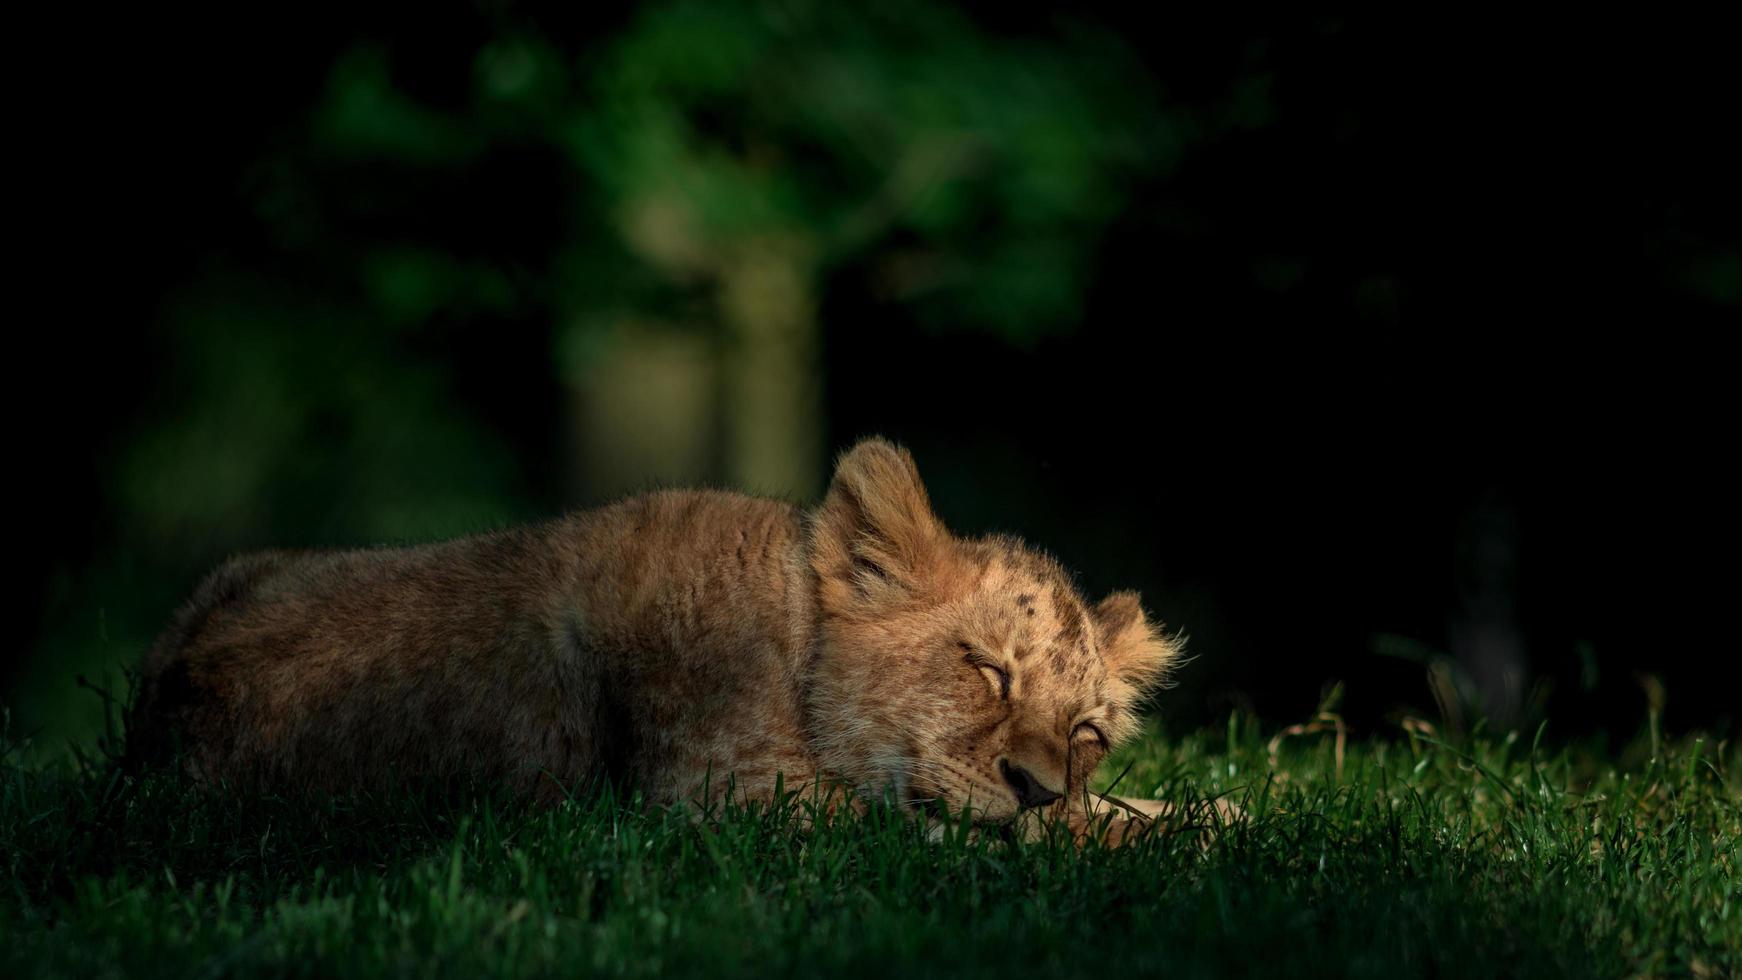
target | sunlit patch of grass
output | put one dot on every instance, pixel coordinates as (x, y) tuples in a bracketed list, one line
[(1481, 857)]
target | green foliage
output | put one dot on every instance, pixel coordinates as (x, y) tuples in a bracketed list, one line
[(1407, 858), (294, 417), (997, 161)]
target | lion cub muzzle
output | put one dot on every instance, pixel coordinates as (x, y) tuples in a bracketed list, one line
[(1029, 791)]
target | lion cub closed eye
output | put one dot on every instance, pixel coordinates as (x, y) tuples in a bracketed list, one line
[(665, 641)]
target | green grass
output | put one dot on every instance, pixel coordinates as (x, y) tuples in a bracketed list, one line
[(1417, 858)]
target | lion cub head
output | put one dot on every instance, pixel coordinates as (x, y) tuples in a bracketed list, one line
[(969, 672)]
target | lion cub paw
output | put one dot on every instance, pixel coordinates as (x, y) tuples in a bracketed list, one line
[(1115, 822)]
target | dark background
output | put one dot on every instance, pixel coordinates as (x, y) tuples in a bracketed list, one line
[(1371, 351)]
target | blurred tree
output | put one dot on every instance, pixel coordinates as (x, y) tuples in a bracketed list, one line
[(749, 149)]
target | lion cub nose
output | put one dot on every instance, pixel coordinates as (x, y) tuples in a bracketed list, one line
[(1029, 791)]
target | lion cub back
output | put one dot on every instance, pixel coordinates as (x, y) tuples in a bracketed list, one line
[(649, 640)]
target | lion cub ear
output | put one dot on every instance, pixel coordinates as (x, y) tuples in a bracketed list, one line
[(875, 530), (1134, 650)]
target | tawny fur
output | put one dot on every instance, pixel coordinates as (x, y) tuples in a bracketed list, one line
[(675, 641)]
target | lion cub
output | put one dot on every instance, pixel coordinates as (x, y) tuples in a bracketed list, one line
[(678, 641)]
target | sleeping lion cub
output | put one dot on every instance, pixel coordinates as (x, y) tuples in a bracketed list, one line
[(666, 641)]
